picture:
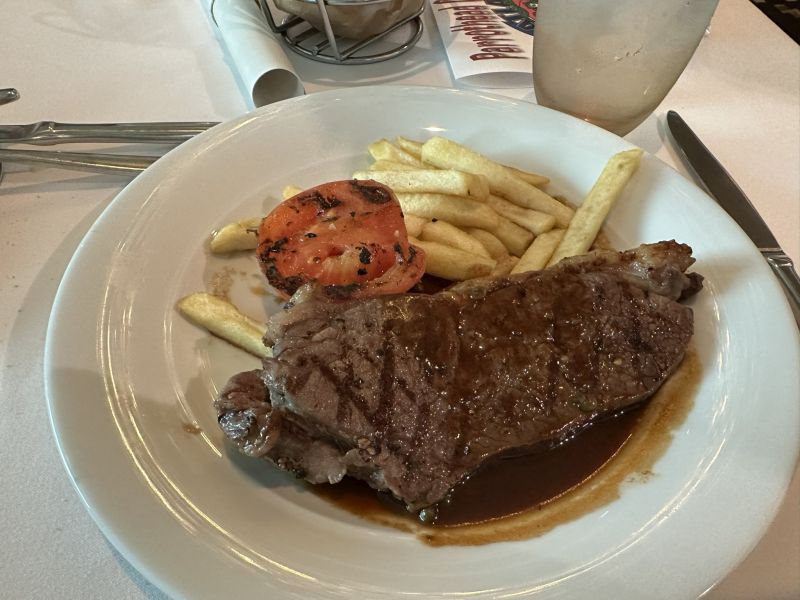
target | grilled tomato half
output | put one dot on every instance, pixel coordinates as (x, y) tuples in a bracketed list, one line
[(348, 236)]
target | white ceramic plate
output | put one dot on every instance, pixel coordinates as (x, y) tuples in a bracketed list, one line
[(124, 374)]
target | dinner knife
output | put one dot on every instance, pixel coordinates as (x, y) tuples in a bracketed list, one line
[(51, 132), (731, 198)]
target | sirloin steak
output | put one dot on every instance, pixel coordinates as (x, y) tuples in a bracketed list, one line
[(412, 393)]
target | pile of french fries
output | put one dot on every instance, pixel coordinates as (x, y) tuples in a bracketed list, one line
[(476, 217), (472, 216)]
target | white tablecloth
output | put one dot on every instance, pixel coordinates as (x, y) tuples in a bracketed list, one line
[(130, 60)]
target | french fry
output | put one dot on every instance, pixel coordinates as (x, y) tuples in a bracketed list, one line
[(539, 252), (533, 220), (290, 190), (223, 319), (514, 237), (385, 150), (450, 235), (235, 236), (413, 147), (457, 210), (505, 265), (447, 154), (491, 242), (593, 211), (532, 178), (390, 165), (414, 225), (455, 183), (453, 264)]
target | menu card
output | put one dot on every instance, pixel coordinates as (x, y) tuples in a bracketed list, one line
[(489, 43)]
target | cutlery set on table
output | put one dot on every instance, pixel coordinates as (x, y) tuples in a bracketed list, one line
[(47, 133)]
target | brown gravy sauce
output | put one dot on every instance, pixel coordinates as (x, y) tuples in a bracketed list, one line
[(524, 496)]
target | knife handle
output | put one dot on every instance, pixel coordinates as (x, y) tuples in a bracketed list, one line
[(783, 267)]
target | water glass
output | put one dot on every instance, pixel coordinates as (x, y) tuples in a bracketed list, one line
[(611, 62)]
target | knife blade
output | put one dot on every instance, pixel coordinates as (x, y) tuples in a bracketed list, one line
[(733, 200)]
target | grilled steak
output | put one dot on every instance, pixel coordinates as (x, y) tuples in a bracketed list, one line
[(411, 393)]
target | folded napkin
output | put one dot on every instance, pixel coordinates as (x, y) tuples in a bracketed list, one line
[(255, 51), (489, 43)]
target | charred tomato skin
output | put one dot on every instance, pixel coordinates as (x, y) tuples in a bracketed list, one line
[(348, 236)]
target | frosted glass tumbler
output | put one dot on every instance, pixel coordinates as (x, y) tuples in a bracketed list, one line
[(611, 62)]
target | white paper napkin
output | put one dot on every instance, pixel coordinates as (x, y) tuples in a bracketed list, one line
[(255, 51), (489, 43)]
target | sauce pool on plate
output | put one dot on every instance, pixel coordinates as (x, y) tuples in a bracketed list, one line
[(522, 496)]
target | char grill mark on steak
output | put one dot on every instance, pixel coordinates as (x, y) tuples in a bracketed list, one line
[(412, 393)]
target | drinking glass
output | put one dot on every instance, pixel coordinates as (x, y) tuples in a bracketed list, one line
[(611, 62)]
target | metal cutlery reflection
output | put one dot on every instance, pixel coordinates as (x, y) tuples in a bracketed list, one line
[(8, 95), (119, 164), (51, 132), (730, 197)]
